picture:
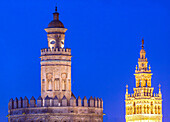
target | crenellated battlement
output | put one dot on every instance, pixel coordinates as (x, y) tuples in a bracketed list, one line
[(53, 51), (63, 109), (54, 102)]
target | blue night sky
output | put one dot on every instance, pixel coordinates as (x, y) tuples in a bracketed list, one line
[(105, 38)]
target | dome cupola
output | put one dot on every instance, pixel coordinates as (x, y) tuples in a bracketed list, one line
[(56, 23)]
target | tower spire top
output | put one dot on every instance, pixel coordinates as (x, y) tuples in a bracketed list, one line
[(142, 43), (56, 14), (126, 89), (56, 8), (159, 88)]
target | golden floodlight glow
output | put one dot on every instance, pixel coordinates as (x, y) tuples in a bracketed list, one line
[(143, 105)]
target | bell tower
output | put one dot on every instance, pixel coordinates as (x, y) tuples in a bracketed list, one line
[(143, 72), (56, 62), (143, 105)]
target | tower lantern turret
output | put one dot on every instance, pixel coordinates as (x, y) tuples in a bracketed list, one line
[(55, 32)]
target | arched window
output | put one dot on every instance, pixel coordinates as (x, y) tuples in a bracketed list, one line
[(127, 110), (57, 84), (151, 107), (159, 110), (156, 110), (137, 109), (134, 108), (146, 83), (151, 110), (130, 110), (140, 109), (139, 83), (147, 109), (49, 81), (64, 84), (69, 82)]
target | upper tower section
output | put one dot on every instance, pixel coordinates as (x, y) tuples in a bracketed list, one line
[(55, 32), (143, 72), (142, 61), (56, 62)]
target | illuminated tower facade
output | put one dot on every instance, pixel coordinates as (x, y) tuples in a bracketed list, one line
[(56, 62), (57, 103), (143, 105)]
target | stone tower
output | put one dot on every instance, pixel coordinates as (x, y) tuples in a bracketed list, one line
[(57, 103), (143, 105), (56, 62)]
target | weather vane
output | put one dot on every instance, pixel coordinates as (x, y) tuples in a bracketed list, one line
[(142, 43), (56, 8)]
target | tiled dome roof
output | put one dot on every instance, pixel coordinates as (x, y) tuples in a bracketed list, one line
[(55, 24)]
